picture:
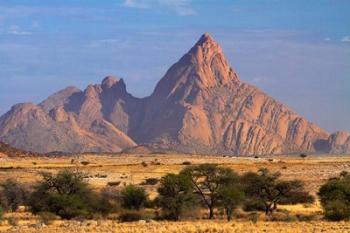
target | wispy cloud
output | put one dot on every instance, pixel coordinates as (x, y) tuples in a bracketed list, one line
[(181, 7), (16, 30), (138, 3), (345, 39)]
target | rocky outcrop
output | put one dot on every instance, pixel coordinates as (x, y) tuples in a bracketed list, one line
[(202, 106), (199, 106), (67, 123), (339, 143)]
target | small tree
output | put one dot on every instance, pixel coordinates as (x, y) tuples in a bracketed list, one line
[(175, 194), (230, 197), (267, 189), (208, 179), (133, 197), (335, 197), (65, 194), (12, 195)]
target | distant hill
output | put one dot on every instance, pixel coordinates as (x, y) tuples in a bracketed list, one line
[(13, 152), (199, 106)]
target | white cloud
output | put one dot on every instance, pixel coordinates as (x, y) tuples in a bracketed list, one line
[(327, 39), (345, 39), (137, 3), (15, 30), (181, 7)]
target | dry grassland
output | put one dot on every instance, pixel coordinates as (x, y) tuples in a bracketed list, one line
[(102, 169)]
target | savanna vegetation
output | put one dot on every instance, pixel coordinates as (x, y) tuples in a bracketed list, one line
[(212, 191)]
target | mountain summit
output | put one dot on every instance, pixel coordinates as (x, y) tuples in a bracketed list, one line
[(204, 66), (199, 106)]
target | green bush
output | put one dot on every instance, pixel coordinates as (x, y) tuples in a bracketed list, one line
[(150, 181), (66, 195), (113, 183), (130, 216), (133, 197), (335, 198), (12, 195), (47, 217), (297, 198), (336, 210), (253, 217), (253, 205)]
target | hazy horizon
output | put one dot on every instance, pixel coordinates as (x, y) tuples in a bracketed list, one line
[(297, 51)]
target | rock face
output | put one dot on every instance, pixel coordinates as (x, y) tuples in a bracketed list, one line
[(9, 151), (199, 106), (70, 121), (339, 143)]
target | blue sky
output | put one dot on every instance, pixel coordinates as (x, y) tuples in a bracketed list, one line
[(297, 51)]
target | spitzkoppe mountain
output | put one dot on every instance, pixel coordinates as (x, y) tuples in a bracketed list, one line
[(199, 106)]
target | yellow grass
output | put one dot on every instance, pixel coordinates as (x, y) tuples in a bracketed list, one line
[(186, 227), (128, 169)]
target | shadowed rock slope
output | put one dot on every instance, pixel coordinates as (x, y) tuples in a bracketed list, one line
[(9, 151), (199, 106)]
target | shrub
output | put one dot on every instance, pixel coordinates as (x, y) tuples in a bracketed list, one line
[(150, 181), (144, 164), (65, 194), (113, 183), (133, 197), (253, 217), (297, 198), (47, 217), (186, 163), (302, 155), (134, 215), (12, 195), (252, 205), (85, 163), (130, 216), (335, 197)]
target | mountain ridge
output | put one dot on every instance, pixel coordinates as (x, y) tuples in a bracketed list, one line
[(199, 106)]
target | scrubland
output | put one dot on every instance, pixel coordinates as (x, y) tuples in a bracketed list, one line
[(102, 170)]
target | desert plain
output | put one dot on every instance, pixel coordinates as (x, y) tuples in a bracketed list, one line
[(104, 169)]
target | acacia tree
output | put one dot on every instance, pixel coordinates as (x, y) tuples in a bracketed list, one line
[(230, 197), (66, 194), (207, 180), (175, 194), (267, 188)]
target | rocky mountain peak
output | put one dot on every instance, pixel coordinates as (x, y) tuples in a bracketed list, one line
[(199, 106), (205, 49), (203, 66), (109, 81)]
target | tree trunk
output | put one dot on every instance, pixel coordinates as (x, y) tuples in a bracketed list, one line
[(228, 214), (211, 212), (266, 210)]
